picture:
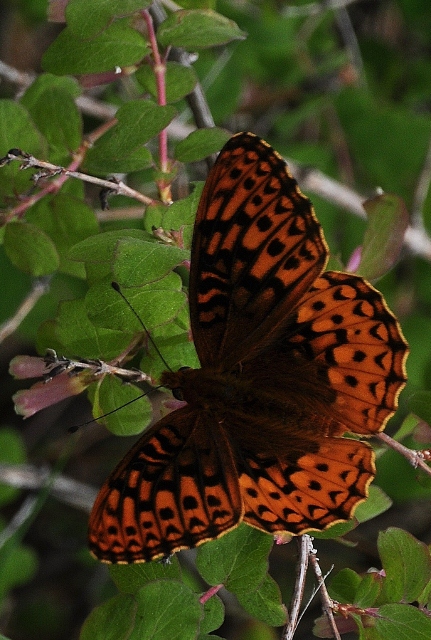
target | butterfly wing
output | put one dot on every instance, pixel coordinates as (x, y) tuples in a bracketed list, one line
[(311, 491), (344, 325), (175, 489), (257, 248)]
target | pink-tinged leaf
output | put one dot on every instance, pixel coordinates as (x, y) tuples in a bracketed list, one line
[(322, 628), (388, 220), (23, 367), (56, 10), (44, 394), (354, 260)]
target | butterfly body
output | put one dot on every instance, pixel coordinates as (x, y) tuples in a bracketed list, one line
[(291, 359)]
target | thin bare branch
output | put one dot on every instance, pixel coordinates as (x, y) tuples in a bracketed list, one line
[(327, 603), (313, 180), (39, 288), (421, 191), (416, 458), (120, 188), (65, 489), (305, 546), (314, 8)]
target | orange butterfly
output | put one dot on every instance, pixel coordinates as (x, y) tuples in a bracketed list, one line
[(292, 358)]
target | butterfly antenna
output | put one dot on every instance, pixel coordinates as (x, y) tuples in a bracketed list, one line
[(116, 288), (105, 415)]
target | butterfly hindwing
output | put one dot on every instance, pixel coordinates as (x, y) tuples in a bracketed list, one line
[(175, 489), (311, 491), (344, 324)]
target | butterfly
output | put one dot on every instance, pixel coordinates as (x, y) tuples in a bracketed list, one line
[(291, 357)]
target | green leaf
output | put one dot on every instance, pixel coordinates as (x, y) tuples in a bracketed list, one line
[(51, 104), (12, 451), (155, 303), (213, 615), (17, 131), (239, 559), (87, 19), (407, 565), (402, 622), (167, 609), (377, 502), (388, 220), (198, 29), (264, 603), (181, 215), (99, 250), (75, 334), (200, 144), (368, 590), (117, 46), (138, 262), (30, 249), (130, 412), (419, 403), (344, 585), (113, 620), (174, 344), (180, 80), (66, 220), (122, 149), (130, 578)]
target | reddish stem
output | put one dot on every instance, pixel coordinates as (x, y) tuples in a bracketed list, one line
[(159, 68), (210, 593)]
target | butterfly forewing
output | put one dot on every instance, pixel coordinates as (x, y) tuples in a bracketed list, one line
[(257, 247)]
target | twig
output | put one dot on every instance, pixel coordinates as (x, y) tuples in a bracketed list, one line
[(305, 547), (67, 490), (210, 593), (416, 458), (39, 288), (57, 364), (159, 70), (196, 99), (23, 515), (421, 191), (314, 8), (349, 36), (29, 162), (416, 239), (327, 603)]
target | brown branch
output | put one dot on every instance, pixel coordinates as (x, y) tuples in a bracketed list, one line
[(416, 458), (327, 603)]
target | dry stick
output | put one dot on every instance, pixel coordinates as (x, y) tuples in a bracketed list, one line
[(416, 239), (39, 288), (67, 490), (421, 191), (30, 162), (327, 603), (351, 42), (416, 458), (305, 546), (314, 8)]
